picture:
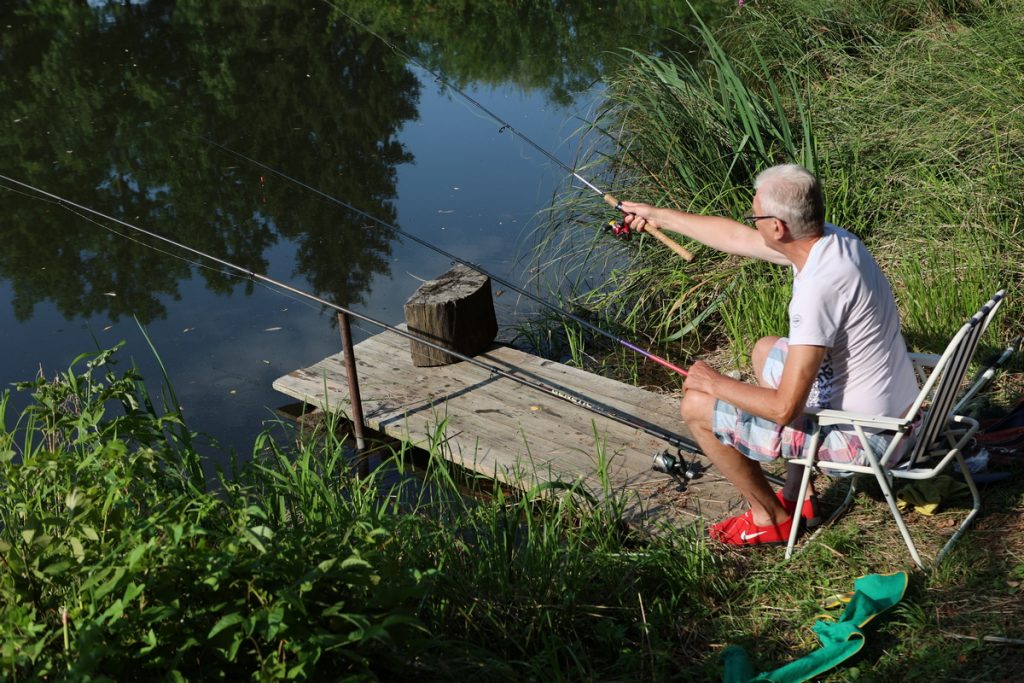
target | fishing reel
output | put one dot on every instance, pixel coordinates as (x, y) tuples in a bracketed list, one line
[(676, 467), (618, 228)]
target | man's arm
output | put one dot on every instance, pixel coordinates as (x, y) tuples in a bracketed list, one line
[(781, 405), (723, 234)]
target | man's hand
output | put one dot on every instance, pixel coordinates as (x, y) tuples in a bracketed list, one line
[(638, 216), (703, 378), (781, 405)]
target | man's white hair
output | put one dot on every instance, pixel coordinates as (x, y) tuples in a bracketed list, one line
[(793, 195)]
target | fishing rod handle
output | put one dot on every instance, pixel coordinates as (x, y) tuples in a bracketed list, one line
[(657, 234), (669, 242)]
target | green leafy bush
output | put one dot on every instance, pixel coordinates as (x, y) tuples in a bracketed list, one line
[(117, 563)]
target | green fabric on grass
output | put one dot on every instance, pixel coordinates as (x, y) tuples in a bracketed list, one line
[(840, 640), (926, 496)]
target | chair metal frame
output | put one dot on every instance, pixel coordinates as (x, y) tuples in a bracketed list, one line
[(934, 442)]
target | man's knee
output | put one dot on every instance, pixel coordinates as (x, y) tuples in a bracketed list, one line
[(759, 355), (696, 409)]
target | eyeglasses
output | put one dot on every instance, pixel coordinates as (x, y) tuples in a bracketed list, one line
[(754, 219)]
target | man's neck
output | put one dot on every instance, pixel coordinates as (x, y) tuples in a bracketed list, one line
[(798, 251)]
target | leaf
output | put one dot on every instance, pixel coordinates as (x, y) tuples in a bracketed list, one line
[(42, 540), (226, 621), (354, 561), (73, 499), (132, 591), (56, 568), (255, 542), (76, 548), (274, 620), (136, 554), (151, 641), (111, 583), (90, 533), (115, 611)]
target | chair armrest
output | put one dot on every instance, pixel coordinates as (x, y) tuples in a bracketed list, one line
[(841, 417), (928, 360)]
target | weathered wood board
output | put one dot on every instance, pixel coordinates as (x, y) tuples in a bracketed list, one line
[(502, 429)]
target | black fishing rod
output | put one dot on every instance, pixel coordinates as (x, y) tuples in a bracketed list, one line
[(505, 283), (604, 411), (505, 125)]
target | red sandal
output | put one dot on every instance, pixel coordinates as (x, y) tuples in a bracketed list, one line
[(741, 530)]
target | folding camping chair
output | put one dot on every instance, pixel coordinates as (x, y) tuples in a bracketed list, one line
[(933, 443)]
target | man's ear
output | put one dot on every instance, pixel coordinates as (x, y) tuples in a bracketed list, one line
[(779, 229)]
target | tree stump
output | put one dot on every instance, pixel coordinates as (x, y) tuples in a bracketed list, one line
[(455, 311)]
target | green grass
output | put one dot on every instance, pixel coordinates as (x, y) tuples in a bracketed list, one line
[(296, 568), (115, 563)]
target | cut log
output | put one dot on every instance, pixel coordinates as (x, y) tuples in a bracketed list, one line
[(455, 311)]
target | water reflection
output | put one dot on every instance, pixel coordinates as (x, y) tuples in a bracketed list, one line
[(108, 107), (107, 103)]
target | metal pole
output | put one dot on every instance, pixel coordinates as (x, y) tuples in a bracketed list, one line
[(353, 391)]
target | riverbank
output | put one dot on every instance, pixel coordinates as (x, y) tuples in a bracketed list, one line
[(120, 559)]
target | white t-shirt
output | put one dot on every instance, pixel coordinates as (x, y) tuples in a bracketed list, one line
[(842, 301)]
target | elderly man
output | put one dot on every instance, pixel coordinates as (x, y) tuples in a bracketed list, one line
[(844, 349)]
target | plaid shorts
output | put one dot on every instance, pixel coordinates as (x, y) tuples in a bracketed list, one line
[(763, 440)]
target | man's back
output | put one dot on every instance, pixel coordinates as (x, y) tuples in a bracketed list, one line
[(842, 300)]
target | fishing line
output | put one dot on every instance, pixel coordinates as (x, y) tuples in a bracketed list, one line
[(130, 238), (505, 283), (612, 414)]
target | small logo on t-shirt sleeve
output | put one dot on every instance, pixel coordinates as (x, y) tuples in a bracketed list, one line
[(795, 320)]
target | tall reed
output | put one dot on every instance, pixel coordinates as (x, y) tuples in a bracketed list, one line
[(907, 111)]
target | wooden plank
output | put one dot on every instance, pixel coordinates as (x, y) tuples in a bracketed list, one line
[(502, 429)]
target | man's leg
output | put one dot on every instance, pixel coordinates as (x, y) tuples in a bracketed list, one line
[(794, 473), (745, 474)]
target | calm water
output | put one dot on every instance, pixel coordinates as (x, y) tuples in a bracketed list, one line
[(108, 105)]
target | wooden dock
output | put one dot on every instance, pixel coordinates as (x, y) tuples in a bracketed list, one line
[(499, 428)]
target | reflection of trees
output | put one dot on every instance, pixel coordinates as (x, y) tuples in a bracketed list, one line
[(555, 46), (107, 107)]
